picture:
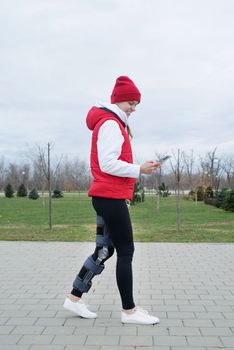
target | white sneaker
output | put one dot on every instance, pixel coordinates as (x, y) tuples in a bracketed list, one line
[(140, 316), (78, 308)]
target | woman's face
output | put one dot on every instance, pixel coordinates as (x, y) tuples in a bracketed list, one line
[(128, 107)]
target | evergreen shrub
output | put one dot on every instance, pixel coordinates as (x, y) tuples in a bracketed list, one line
[(33, 194), (8, 190), (228, 202), (22, 192), (57, 193)]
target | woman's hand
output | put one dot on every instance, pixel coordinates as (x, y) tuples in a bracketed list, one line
[(149, 167)]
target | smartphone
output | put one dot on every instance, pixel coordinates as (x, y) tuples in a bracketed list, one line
[(163, 159)]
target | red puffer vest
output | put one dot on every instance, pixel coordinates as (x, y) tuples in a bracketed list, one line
[(105, 185)]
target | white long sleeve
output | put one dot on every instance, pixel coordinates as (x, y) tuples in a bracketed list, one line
[(109, 145)]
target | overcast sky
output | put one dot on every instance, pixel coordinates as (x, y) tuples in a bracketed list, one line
[(58, 58)]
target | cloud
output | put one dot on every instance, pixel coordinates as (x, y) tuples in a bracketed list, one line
[(58, 58)]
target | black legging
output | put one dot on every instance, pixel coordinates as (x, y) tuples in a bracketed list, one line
[(116, 216)]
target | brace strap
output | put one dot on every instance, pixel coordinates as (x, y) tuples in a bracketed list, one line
[(90, 265), (81, 286), (102, 241), (100, 221)]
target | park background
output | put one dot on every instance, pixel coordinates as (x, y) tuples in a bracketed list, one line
[(59, 58)]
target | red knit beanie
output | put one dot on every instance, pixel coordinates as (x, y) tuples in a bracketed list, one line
[(125, 90)]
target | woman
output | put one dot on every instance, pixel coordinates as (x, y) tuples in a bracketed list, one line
[(114, 176)]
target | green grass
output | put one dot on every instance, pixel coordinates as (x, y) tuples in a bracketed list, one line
[(74, 220)]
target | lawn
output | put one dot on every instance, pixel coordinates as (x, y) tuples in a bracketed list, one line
[(74, 220)]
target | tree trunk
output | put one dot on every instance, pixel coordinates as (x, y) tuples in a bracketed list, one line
[(178, 226), (157, 193), (49, 190)]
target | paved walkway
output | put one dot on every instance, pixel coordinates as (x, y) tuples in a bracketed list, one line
[(189, 286)]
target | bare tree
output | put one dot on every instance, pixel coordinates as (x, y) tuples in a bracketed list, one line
[(177, 169), (189, 167), (80, 174), (2, 173), (43, 161), (48, 174), (12, 175), (38, 180), (212, 169), (228, 168)]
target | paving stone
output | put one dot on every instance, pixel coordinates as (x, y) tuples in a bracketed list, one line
[(228, 315), (171, 323), (6, 329), (209, 315), (223, 323), (19, 321), (9, 307), (79, 322), (7, 301), (48, 347), (3, 320), (36, 339), (228, 341), (16, 313), (188, 347), (102, 340), (221, 331), (15, 347), (150, 348), (218, 308), (204, 341), (165, 308), (114, 322), (9, 339), (176, 302), (69, 340), (30, 300), (42, 313), (28, 330), (170, 341), (90, 331), (184, 331), (152, 330), (198, 323), (181, 315), (50, 321), (32, 307), (121, 330), (119, 347), (140, 340), (191, 291), (208, 348), (192, 308), (201, 302), (85, 347), (58, 330)]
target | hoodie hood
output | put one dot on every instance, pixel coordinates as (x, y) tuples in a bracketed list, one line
[(95, 114)]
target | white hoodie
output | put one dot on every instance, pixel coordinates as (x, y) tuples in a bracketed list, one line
[(109, 145)]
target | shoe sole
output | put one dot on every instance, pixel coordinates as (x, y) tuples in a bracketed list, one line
[(67, 308), (129, 322)]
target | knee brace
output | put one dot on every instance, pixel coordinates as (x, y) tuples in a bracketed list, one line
[(95, 267), (102, 236), (103, 240)]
